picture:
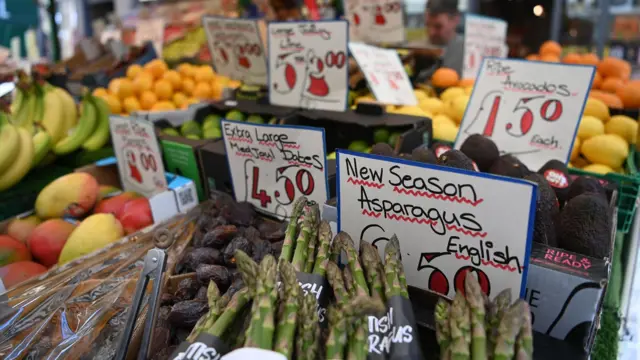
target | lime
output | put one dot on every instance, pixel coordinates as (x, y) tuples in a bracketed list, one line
[(211, 121), (358, 145), (234, 115), (380, 136), (255, 119)]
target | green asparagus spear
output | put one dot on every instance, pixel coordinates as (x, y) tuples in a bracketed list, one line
[(349, 283), (285, 332), (311, 249), (508, 329), (443, 332), (260, 333), (500, 303), (459, 324), (372, 265), (324, 242), (393, 287), (291, 232), (235, 306), (335, 250), (302, 243), (395, 243), (248, 268), (357, 347), (345, 242), (524, 341), (307, 341), (475, 299), (334, 276), (207, 320)]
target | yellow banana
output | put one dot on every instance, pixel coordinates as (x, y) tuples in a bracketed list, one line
[(9, 144), (69, 109), (86, 125), (100, 136), (18, 100), (42, 143), (25, 115), (22, 163), (38, 112), (53, 119)]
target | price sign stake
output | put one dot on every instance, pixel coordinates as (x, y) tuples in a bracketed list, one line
[(236, 49), (375, 21), (529, 109), (385, 74), (484, 36), (272, 165), (150, 30), (449, 221), (138, 154), (308, 64)]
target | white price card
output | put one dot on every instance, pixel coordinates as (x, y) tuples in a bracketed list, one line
[(236, 49), (273, 165), (449, 221), (138, 154), (308, 64), (483, 36), (385, 74), (150, 30), (529, 109), (375, 21)]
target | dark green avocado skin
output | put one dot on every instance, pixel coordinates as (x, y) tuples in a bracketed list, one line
[(456, 159), (482, 150), (424, 154), (509, 165), (547, 208), (585, 184), (584, 226)]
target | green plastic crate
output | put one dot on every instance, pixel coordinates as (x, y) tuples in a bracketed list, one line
[(628, 189)]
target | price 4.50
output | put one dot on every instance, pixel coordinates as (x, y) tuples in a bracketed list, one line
[(288, 187)]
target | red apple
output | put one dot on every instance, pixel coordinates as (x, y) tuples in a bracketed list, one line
[(114, 205), (136, 215)]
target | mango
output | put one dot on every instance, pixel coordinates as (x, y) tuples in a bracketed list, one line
[(14, 274), (72, 194), (93, 233), (12, 250), (48, 239), (20, 229)]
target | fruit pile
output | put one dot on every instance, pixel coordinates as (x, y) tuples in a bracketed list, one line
[(155, 87), (470, 327), (43, 124), (210, 127), (74, 216)]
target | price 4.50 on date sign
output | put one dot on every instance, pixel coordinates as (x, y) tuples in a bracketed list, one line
[(530, 109), (272, 165)]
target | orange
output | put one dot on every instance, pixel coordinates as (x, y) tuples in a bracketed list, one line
[(186, 70), (614, 67), (188, 85), (113, 86), (156, 67), (174, 78), (163, 89), (179, 99), (202, 91), (217, 90), (125, 89), (204, 73), (444, 78), (131, 104), (597, 81), (590, 59), (550, 47), (572, 58), (142, 83), (100, 92), (466, 82), (163, 106), (114, 103), (533, 57), (133, 70), (612, 100), (549, 58), (630, 95), (148, 99), (611, 84)]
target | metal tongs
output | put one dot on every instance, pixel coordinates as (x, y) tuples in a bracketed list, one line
[(155, 263)]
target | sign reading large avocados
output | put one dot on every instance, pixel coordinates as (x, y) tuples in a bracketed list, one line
[(529, 109), (449, 221)]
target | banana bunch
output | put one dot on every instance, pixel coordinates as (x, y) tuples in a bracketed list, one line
[(45, 123)]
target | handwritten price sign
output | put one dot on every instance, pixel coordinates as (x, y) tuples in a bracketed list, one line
[(308, 64), (375, 21), (138, 154), (529, 109), (236, 49), (449, 221), (150, 30), (484, 37), (272, 165), (385, 74)]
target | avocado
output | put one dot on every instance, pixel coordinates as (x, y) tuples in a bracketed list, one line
[(358, 145), (211, 121), (255, 119), (234, 115), (423, 154), (170, 131), (557, 175), (191, 127), (382, 149), (584, 226), (585, 184), (509, 165), (482, 150), (456, 159), (440, 148), (381, 135), (393, 139), (544, 231)]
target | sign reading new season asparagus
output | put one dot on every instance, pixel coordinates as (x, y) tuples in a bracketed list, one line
[(449, 221)]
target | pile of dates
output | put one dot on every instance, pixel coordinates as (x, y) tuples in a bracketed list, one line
[(222, 227)]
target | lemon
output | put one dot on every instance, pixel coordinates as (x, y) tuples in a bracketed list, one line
[(623, 126), (131, 104), (148, 99), (590, 126), (133, 71), (598, 169), (607, 149), (456, 107), (575, 150), (366, 98), (163, 106), (441, 119), (163, 89), (114, 103), (420, 94), (412, 111), (100, 92), (597, 108), (452, 93), (179, 99), (174, 78), (432, 105), (446, 132)]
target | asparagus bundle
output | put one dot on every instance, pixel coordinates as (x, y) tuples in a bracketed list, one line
[(471, 328)]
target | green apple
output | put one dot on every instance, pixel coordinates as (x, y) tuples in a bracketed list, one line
[(234, 115), (331, 156), (211, 121), (273, 121), (381, 136), (190, 127), (170, 131), (255, 119), (193, 137), (212, 133), (358, 145)]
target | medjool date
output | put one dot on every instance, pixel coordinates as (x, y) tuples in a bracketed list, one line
[(260, 249), (165, 353), (219, 237), (167, 299), (272, 231), (185, 314), (229, 252), (198, 256), (202, 294), (216, 273), (162, 330), (187, 289), (241, 214), (276, 248), (252, 234)]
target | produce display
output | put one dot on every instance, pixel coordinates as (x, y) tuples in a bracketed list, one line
[(73, 216), (155, 87), (209, 128)]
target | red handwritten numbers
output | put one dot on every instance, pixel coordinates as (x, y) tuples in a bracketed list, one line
[(259, 195), (148, 162), (336, 60), (302, 182), (250, 49)]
